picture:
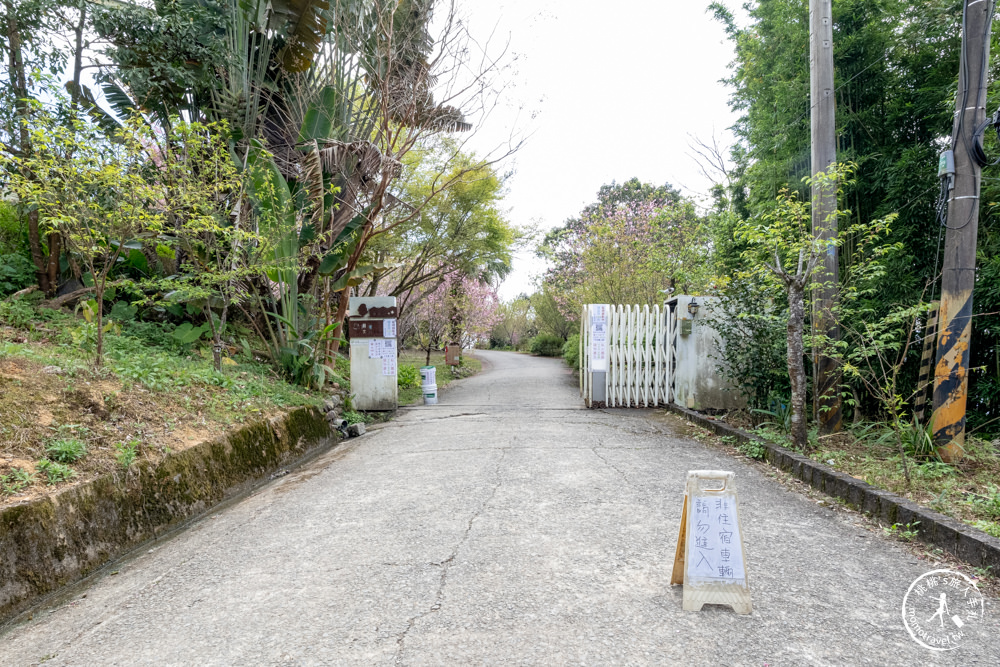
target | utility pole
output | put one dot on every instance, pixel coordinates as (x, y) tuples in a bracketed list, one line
[(826, 403), (958, 273)]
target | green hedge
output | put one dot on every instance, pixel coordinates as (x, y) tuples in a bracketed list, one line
[(546, 345), (571, 351)]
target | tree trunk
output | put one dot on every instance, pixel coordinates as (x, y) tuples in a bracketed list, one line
[(455, 316), (52, 266), (796, 363), (99, 315), (77, 92), (19, 83)]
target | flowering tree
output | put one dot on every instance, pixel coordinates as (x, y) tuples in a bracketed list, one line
[(457, 307), (629, 246)]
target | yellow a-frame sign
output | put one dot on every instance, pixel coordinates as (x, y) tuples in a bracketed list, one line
[(710, 560)]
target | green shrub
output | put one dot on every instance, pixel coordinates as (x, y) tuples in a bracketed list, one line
[(16, 273), (354, 417), (55, 472), (750, 322), (752, 449), (571, 351), (11, 231), (17, 314), (66, 450), (407, 376), (546, 345)]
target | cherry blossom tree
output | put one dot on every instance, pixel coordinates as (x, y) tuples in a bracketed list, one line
[(457, 307)]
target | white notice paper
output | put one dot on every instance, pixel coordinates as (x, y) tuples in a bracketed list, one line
[(389, 328), (717, 552), (374, 348), (389, 364), (389, 348)]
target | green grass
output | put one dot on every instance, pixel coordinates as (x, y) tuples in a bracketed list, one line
[(418, 358), (16, 480), (967, 490), (66, 450), (55, 472)]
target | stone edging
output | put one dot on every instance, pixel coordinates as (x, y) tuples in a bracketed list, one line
[(54, 541), (959, 539)]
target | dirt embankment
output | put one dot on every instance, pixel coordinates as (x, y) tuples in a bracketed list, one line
[(61, 537)]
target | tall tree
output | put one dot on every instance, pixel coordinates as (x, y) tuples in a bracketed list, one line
[(896, 66)]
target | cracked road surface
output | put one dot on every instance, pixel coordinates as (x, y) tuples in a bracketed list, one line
[(506, 525)]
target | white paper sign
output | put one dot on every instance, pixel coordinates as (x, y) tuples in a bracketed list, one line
[(374, 348), (388, 348), (717, 551), (389, 365), (389, 328), (599, 337)]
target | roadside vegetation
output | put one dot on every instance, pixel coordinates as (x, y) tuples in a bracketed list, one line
[(750, 244), (179, 241)]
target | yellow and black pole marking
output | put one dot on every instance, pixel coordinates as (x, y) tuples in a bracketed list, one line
[(951, 376), (926, 359)]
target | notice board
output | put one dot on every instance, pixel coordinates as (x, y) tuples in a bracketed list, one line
[(710, 560)]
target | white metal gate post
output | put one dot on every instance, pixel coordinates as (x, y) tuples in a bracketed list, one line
[(594, 335), (584, 358)]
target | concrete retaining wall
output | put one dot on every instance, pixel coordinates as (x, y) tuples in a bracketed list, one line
[(55, 541), (959, 539)]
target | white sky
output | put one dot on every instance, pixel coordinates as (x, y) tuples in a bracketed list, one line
[(618, 88)]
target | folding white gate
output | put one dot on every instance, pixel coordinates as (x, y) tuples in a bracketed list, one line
[(630, 348)]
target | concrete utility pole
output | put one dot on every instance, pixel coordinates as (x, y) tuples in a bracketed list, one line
[(826, 404), (958, 273)]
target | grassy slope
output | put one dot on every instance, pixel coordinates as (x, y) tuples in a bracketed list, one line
[(968, 491), (153, 395)]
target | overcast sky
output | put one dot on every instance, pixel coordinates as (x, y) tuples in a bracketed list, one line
[(618, 90)]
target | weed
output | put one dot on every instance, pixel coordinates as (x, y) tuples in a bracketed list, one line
[(752, 449), (932, 470), (779, 408), (907, 533), (17, 480), (917, 440), (152, 371), (940, 504), (17, 314), (55, 472), (983, 572), (353, 417), (66, 450), (988, 527), (987, 505), (407, 376), (125, 452)]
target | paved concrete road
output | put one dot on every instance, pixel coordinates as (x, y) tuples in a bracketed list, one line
[(505, 526)]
